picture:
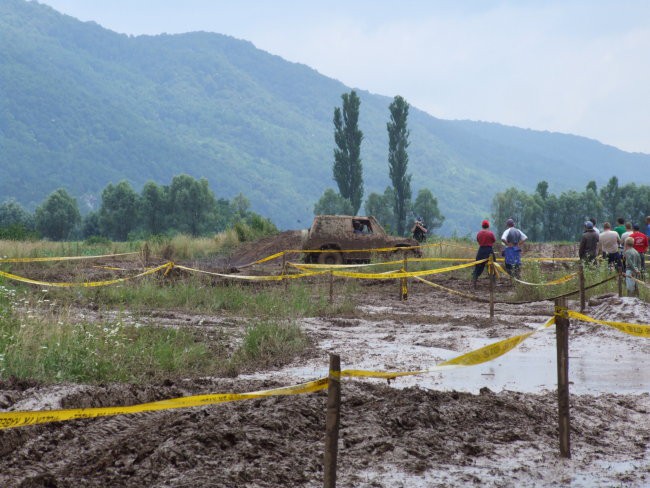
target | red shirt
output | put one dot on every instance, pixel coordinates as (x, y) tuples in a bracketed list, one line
[(640, 241), (485, 238)]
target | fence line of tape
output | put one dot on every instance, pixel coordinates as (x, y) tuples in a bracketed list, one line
[(557, 281), (20, 419), (405, 274), (640, 330), (63, 258), (88, 284), (252, 277), (478, 356)]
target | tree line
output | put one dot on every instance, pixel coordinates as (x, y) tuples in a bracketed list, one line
[(394, 208), (547, 217), (186, 206)]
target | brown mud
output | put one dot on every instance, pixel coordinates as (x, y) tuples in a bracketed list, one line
[(465, 429)]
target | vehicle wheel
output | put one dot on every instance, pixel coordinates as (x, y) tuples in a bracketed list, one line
[(333, 257)]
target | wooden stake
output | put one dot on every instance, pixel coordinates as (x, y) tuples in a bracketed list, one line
[(493, 276), (332, 421), (581, 280), (562, 340), (404, 291), (331, 287), (284, 271), (145, 254), (620, 284)]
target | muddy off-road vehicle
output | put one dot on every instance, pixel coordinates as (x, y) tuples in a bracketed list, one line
[(338, 233)]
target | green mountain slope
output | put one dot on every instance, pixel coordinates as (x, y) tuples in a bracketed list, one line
[(81, 106)]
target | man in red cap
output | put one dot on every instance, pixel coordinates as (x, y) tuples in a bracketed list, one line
[(486, 240)]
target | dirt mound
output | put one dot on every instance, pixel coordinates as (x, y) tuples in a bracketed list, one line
[(250, 252), (387, 435)]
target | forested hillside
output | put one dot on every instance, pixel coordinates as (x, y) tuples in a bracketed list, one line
[(82, 107)]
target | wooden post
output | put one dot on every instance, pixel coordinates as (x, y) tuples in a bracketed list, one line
[(145, 254), (404, 291), (562, 340), (284, 271), (493, 276), (331, 287), (332, 421), (581, 281)]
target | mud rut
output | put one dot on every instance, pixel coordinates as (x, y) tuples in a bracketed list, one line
[(390, 436)]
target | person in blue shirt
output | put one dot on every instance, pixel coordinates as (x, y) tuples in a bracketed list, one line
[(647, 229)]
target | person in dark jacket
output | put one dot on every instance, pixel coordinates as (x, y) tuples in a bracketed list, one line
[(589, 244)]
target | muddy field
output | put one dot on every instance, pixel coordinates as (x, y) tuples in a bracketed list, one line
[(488, 425)]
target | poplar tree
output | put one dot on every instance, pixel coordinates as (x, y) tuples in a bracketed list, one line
[(347, 156), (398, 159)]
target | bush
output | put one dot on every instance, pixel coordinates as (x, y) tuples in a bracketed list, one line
[(97, 241)]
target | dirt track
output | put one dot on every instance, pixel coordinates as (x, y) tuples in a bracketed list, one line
[(427, 431)]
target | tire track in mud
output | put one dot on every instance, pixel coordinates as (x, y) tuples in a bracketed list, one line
[(389, 437)]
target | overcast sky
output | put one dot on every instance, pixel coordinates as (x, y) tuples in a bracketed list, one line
[(581, 67)]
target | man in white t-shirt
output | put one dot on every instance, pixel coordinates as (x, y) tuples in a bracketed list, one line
[(609, 244), (512, 238)]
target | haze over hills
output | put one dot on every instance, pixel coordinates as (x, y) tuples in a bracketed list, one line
[(82, 106)]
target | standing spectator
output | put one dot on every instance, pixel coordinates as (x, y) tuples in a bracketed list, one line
[(419, 230), (632, 266), (609, 244), (640, 243), (589, 244), (486, 240), (647, 226), (512, 238), (620, 228), (596, 229), (628, 231)]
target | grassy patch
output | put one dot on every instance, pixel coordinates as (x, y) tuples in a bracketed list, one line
[(195, 294), (268, 344), (52, 346)]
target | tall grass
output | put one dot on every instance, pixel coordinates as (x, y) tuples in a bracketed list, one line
[(268, 344), (196, 294), (54, 346)]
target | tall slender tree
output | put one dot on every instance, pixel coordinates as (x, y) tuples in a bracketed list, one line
[(398, 135), (347, 156)]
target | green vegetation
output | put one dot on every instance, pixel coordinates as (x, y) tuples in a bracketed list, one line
[(38, 342), (187, 206), (348, 171), (83, 107), (398, 160), (547, 217)]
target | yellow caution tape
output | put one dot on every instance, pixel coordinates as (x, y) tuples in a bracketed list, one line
[(19, 419), (252, 277), (494, 350), (344, 266), (14, 277), (404, 274), (640, 330), (268, 258), (397, 262), (472, 358), (63, 258), (558, 281)]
